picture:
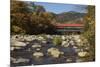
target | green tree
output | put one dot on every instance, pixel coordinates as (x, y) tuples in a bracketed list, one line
[(89, 31), (32, 22)]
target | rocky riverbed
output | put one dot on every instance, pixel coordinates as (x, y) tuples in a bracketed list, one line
[(48, 49)]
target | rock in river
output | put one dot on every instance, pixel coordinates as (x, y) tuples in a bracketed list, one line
[(38, 54), (18, 43), (12, 48), (36, 45), (19, 60), (83, 54), (65, 44), (54, 52)]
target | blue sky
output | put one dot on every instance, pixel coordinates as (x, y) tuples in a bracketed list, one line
[(59, 8)]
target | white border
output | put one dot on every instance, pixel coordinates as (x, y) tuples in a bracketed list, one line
[(4, 33)]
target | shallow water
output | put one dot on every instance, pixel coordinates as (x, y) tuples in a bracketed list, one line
[(70, 54)]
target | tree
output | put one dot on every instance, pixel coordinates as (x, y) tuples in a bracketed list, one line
[(89, 31), (30, 22), (19, 7)]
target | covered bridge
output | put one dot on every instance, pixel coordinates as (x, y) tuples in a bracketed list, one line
[(69, 28)]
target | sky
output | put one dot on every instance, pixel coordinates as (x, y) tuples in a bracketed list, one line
[(59, 8)]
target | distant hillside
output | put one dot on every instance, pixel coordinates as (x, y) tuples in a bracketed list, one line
[(65, 17), (69, 16)]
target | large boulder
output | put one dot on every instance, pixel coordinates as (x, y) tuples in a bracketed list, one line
[(63, 37), (36, 45), (54, 52), (29, 38), (12, 48), (44, 41), (40, 38), (72, 42), (49, 37), (65, 44), (68, 60), (83, 54), (19, 60), (17, 43), (79, 42), (38, 54)]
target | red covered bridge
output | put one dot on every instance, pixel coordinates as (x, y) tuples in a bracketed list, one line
[(69, 28)]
